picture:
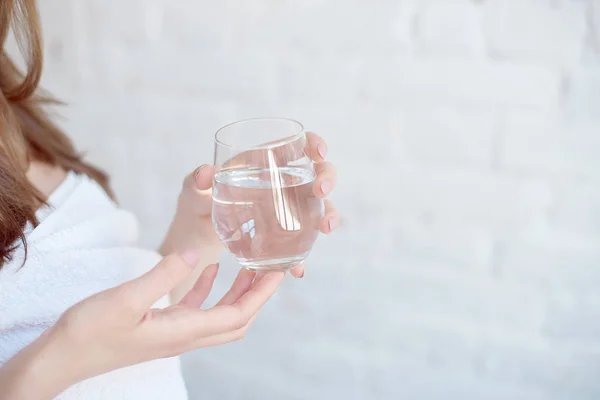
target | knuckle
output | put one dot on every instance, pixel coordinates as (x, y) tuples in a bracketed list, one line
[(240, 334), (241, 320), (313, 137), (124, 299), (239, 323), (330, 169), (73, 324), (171, 268), (69, 318)]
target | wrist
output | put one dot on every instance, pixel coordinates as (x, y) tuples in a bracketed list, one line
[(44, 362), (56, 363), (186, 233)]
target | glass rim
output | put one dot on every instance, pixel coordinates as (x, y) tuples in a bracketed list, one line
[(284, 140)]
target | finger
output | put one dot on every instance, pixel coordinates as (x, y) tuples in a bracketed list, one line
[(224, 318), (331, 219), (200, 178), (240, 285), (258, 278), (203, 177), (254, 299), (187, 325), (226, 337), (326, 179), (146, 290), (316, 146), (197, 194), (198, 294), (297, 271)]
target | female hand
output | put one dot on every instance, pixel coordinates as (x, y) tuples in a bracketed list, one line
[(118, 327), (192, 225)]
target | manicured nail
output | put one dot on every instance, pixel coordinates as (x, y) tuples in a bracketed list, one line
[(332, 224), (325, 187), (322, 149), (190, 256)]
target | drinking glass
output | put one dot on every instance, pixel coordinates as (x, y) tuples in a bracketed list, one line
[(264, 208)]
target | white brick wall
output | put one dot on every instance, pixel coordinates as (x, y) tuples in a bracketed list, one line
[(449, 28), (547, 32), (467, 136)]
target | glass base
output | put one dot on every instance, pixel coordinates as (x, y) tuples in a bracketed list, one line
[(277, 264)]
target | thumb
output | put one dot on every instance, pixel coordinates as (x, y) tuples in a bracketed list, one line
[(160, 280), (196, 195), (201, 178)]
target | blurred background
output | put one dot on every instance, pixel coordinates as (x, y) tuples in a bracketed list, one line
[(467, 138)]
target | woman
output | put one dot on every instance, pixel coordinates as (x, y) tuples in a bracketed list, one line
[(76, 297)]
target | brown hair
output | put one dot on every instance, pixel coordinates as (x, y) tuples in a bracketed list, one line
[(26, 132)]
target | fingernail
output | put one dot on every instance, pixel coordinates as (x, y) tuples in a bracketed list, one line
[(190, 256), (197, 172), (332, 224), (322, 149), (325, 187)]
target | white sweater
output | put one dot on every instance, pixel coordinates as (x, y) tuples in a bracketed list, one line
[(84, 244)]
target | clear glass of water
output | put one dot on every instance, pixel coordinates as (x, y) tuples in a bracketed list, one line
[(264, 208)]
